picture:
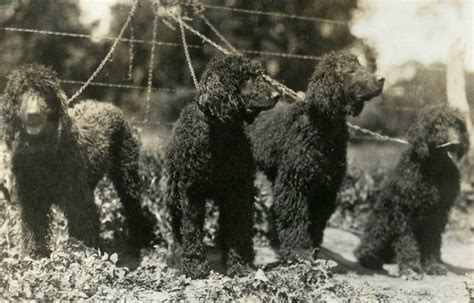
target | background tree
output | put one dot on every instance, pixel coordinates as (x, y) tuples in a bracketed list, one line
[(72, 58), (76, 59), (456, 92)]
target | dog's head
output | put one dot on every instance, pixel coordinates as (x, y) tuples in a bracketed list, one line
[(341, 85), (439, 131), (33, 106), (232, 90)]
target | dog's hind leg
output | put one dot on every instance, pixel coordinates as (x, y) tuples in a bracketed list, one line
[(291, 219), (408, 253), (320, 210), (236, 217), (170, 194), (139, 220), (429, 235), (375, 248)]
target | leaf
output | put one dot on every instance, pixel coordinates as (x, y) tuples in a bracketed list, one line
[(105, 257), (114, 258), (120, 273), (331, 264), (260, 275), (83, 295)]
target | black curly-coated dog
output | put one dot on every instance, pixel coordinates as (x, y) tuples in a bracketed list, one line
[(301, 148), (411, 210), (59, 155), (209, 157)]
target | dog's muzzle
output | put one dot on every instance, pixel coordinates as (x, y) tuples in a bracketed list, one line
[(453, 149)]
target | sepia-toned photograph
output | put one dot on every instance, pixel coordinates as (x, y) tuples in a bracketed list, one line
[(237, 150)]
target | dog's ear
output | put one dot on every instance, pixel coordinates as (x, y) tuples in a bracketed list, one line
[(418, 135), (217, 97), (326, 91), (9, 124), (418, 143), (209, 95), (326, 84)]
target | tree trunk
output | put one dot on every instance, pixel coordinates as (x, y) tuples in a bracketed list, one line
[(456, 91)]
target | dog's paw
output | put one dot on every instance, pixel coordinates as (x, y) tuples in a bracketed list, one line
[(370, 261), (435, 268), (39, 253), (194, 268), (412, 272), (240, 270)]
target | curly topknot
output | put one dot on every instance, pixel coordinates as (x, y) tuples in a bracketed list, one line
[(41, 78), (327, 81), (219, 98), (330, 63), (431, 127)]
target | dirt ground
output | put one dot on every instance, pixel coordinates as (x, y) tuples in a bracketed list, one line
[(363, 285), (370, 286)]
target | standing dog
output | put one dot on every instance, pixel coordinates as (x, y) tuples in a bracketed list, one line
[(412, 207), (301, 148), (209, 157), (59, 155)]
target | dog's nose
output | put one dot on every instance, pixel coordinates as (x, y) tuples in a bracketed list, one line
[(32, 115), (380, 79)]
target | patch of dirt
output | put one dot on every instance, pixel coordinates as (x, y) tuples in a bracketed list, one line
[(369, 286), (356, 283)]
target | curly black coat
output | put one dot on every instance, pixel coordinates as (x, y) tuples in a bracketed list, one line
[(301, 148), (412, 207), (209, 157), (63, 165)]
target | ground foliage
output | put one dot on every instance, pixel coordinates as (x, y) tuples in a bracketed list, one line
[(77, 272)]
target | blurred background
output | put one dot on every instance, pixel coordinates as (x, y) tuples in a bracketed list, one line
[(405, 41)]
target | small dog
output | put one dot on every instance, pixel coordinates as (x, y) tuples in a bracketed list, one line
[(412, 207)]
